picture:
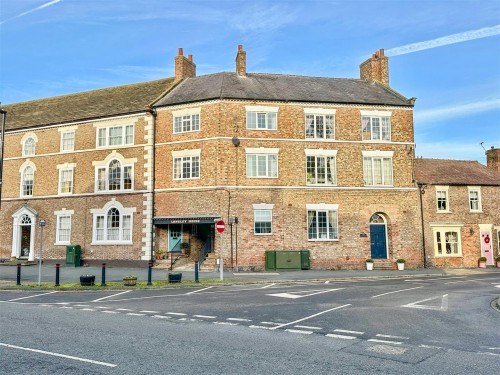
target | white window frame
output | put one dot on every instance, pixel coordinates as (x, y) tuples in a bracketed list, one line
[(267, 154), (64, 213), (311, 133), (125, 214), (367, 119), (369, 169), (191, 157), (445, 190), (268, 114), (69, 146), (65, 168), (263, 208), (475, 189), (442, 229), (24, 141), (105, 164), (320, 153), (104, 133), (185, 118), (313, 211), (22, 170)]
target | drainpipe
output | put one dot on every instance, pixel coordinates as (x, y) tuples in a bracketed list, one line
[(153, 113), (4, 115), (421, 191)]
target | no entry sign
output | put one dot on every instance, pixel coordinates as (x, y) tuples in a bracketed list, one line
[(220, 226)]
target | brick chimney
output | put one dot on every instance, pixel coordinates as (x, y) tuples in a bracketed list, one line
[(376, 68), (493, 159), (184, 68), (241, 62)]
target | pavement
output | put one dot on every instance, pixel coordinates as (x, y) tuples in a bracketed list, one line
[(29, 274)]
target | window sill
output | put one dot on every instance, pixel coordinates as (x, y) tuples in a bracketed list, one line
[(449, 256), (263, 234), (62, 243), (102, 243), (322, 240)]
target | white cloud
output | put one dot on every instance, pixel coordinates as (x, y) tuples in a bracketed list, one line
[(32, 10), (445, 40), (455, 110)]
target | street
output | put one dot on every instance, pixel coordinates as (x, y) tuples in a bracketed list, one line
[(426, 325)]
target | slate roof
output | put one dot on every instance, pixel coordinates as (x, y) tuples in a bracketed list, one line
[(88, 105), (455, 172), (278, 87)]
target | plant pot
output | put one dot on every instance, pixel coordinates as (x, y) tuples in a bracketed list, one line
[(401, 266), (369, 266), (174, 277), (87, 280), (482, 264), (498, 264), (130, 281)]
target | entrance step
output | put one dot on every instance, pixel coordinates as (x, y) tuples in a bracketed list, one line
[(383, 264), (210, 262)]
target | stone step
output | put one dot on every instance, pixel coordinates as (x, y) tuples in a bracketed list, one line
[(383, 265)]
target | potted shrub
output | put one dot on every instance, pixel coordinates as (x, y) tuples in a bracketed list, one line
[(497, 260), (369, 264), (482, 262), (401, 264), (185, 247), (87, 280), (174, 277), (130, 280)]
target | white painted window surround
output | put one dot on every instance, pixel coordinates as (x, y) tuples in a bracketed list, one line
[(447, 239), (322, 222), (112, 224), (442, 199), (114, 174), (262, 162), (63, 226), (263, 219), (28, 144), (186, 120), (66, 174), (377, 168), (27, 171), (475, 199), (261, 117)]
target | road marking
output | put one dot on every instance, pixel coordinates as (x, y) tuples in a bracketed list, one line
[(271, 323), (439, 278), (268, 286), (149, 312), (294, 295), (174, 313), (82, 305), (135, 314), (101, 307), (199, 290), (327, 282), (110, 312), (261, 327), (36, 295), (87, 309), (66, 307), (124, 310), (430, 346), (386, 341), (205, 316), (311, 316), (444, 304), (239, 320), (396, 291), (162, 317), (299, 331), (307, 327), (393, 337), (341, 336), (347, 331), (113, 295), (59, 355), (226, 323)]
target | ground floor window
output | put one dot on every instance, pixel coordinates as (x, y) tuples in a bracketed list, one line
[(113, 224), (63, 229), (447, 241), (322, 222)]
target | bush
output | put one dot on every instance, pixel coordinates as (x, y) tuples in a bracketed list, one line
[(400, 260), (482, 259), (369, 260)]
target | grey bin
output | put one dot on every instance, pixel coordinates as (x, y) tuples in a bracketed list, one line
[(73, 255)]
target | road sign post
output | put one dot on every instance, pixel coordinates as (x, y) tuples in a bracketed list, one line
[(220, 226), (42, 224)]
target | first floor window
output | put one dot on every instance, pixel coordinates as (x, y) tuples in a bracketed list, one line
[(115, 136), (113, 226), (29, 146), (66, 181), (186, 167), (442, 200), (475, 199), (376, 125), (322, 225), (447, 242), (321, 170), (261, 120), (320, 126), (27, 181), (115, 176), (262, 166), (263, 220), (68, 141), (187, 123), (377, 171), (63, 229)]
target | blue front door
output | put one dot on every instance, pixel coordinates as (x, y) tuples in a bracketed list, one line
[(378, 241), (174, 237)]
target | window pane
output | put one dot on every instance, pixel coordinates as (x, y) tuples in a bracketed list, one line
[(251, 120), (311, 225), (367, 171), (28, 177), (332, 225), (261, 120), (127, 177), (387, 166), (177, 124), (263, 221), (311, 169), (113, 225), (320, 127), (127, 232), (441, 200), (322, 225), (310, 126), (377, 171), (115, 136), (386, 128), (273, 165), (375, 127), (129, 134), (114, 175), (365, 128), (195, 167), (196, 122), (251, 165), (64, 228), (101, 179), (101, 139), (271, 121), (29, 147), (261, 165), (321, 169), (331, 170), (68, 140), (438, 241), (66, 181), (329, 127), (99, 226)]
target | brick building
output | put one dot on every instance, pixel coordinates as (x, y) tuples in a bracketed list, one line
[(289, 162), (460, 210)]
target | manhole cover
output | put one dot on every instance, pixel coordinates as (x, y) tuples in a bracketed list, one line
[(386, 349)]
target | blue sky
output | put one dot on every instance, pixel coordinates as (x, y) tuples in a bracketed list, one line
[(444, 53)]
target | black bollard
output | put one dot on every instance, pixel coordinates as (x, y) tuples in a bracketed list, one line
[(18, 274), (150, 271), (196, 278), (57, 274), (103, 275)]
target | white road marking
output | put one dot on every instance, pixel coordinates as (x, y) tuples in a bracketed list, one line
[(497, 286), (101, 307), (299, 331), (205, 316), (327, 282), (59, 355), (430, 346), (87, 309), (386, 341), (294, 295), (347, 331), (239, 319), (124, 310), (261, 327), (110, 312), (199, 290), (174, 313), (149, 312), (268, 286), (271, 323), (113, 295), (311, 316), (81, 305), (226, 323), (393, 337), (439, 278), (36, 295), (341, 336), (444, 304), (66, 307), (135, 314), (162, 317), (307, 327), (396, 291)]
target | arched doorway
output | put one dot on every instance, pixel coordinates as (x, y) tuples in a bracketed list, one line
[(23, 233), (378, 236)]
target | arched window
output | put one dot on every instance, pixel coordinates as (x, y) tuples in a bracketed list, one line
[(29, 147), (377, 219), (27, 181), (25, 220), (113, 225), (114, 175)]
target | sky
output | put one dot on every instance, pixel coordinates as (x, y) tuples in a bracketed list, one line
[(446, 53)]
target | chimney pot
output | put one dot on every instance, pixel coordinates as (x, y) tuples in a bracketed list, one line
[(180, 52), (240, 47), (190, 57)]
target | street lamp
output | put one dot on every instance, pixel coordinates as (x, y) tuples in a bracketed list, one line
[(4, 115)]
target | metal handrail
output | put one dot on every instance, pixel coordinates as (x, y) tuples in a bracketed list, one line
[(205, 249)]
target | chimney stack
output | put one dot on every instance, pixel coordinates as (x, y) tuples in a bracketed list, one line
[(241, 62), (376, 68), (493, 159), (184, 68)]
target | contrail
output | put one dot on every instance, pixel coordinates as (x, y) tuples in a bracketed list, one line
[(32, 10), (445, 40)]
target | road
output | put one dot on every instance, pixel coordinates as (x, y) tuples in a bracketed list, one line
[(432, 325)]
